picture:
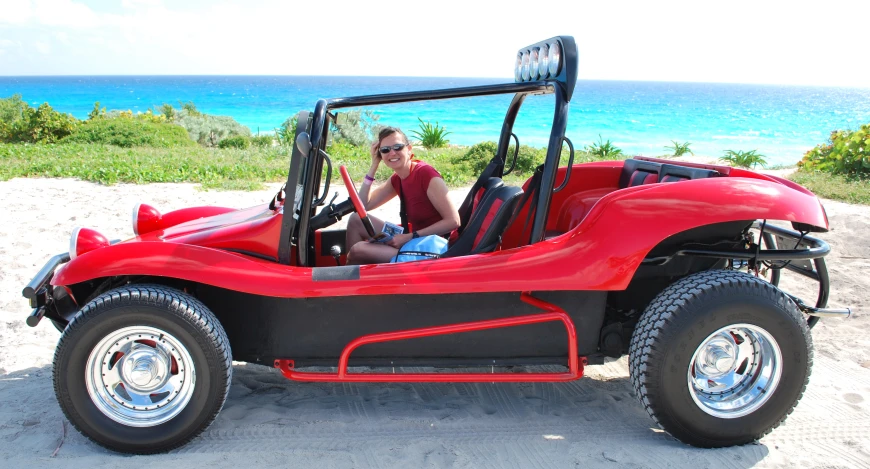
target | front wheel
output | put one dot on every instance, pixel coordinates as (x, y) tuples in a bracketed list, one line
[(720, 358), (142, 369)]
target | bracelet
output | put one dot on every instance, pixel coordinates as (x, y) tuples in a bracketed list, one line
[(369, 178), (415, 235)]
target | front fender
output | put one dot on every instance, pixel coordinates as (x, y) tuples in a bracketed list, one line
[(181, 261)]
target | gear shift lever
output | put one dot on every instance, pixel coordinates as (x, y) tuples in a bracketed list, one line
[(336, 254)]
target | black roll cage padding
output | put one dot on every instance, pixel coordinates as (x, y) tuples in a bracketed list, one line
[(570, 164), (313, 166), (288, 223)]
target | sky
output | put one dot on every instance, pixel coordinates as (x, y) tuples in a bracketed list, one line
[(801, 42)]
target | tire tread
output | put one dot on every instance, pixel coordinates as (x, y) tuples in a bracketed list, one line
[(184, 306)]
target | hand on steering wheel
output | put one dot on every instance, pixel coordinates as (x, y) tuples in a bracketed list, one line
[(357, 203)]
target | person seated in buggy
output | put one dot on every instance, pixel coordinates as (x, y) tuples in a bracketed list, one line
[(422, 190)]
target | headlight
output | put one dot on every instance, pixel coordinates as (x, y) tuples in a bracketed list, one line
[(85, 240), (145, 219), (555, 57)]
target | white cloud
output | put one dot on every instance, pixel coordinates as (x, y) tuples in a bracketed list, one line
[(742, 40), (42, 47), (16, 12)]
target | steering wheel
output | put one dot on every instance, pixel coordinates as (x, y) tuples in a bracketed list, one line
[(357, 204)]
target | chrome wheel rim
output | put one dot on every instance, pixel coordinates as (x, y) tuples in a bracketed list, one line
[(734, 371), (140, 376)]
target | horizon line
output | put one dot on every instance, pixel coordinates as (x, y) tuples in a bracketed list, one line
[(501, 79)]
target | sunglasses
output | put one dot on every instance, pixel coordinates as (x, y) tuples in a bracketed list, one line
[(397, 148)]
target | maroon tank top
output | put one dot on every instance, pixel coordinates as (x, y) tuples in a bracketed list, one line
[(420, 211)]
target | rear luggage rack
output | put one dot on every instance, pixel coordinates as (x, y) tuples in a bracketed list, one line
[(554, 313)]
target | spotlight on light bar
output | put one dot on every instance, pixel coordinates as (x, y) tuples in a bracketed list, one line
[(533, 65), (554, 59)]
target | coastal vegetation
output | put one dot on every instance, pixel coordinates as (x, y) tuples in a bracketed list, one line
[(744, 159), (431, 136), (840, 168), (182, 144), (603, 149), (679, 149)]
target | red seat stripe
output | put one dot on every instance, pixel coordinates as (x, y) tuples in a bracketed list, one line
[(493, 209)]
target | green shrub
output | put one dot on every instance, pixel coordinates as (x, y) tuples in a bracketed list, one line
[(846, 153), (262, 140), (129, 132), (431, 136), (355, 127), (744, 159), (286, 134), (604, 150), (168, 112), (12, 109), (209, 130), (478, 156), (97, 112), (679, 149), (39, 125), (239, 141), (190, 109)]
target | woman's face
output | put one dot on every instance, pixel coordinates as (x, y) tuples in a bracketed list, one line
[(395, 159)]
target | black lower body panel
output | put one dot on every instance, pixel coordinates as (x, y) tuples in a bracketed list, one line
[(313, 331)]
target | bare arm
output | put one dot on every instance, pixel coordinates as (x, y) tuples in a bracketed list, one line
[(438, 195), (374, 198)]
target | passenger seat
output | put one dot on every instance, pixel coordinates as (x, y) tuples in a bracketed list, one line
[(488, 222)]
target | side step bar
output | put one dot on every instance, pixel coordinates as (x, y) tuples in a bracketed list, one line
[(553, 313)]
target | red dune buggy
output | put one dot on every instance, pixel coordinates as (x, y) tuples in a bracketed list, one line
[(645, 257)]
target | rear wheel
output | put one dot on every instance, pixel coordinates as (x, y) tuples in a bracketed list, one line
[(142, 369), (720, 358)]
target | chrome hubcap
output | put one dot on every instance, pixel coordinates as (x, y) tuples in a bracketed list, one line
[(140, 376), (734, 371)]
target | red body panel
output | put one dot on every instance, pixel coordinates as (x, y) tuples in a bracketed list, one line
[(254, 230), (601, 253)]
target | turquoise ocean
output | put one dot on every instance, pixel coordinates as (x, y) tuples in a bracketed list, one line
[(781, 122)]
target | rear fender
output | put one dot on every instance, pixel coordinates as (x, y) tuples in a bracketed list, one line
[(624, 226)]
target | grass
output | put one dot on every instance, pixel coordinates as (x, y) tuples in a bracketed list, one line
[(107, 164), (213, 168), (836, 187), (248, 169)]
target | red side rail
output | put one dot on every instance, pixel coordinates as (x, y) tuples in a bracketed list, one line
[(554, 313)]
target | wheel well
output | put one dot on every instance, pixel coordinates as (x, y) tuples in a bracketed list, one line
[(86, 291), (625, 307)]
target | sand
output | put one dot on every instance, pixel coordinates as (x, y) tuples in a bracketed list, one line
[(270, 421)]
